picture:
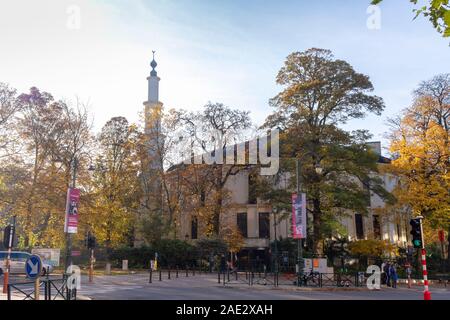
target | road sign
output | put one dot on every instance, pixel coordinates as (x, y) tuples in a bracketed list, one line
[(33, 267)]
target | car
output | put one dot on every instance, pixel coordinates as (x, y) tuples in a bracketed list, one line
[(18, 261)]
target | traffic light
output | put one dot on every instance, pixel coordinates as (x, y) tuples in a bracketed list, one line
[(90, 241), (416, 232), (8, 237)]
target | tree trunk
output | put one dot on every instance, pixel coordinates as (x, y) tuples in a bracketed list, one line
[(216, 213)]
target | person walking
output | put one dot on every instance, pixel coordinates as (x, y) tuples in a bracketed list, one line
[(383, 273), (393, 275), (223, 263), (408, 274)]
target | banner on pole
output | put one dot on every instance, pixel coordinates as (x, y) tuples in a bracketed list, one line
[(299, 219), (72, 203)]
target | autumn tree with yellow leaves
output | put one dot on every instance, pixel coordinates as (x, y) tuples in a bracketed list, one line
[(421, 151)]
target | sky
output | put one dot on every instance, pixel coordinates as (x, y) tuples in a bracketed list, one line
[(227, 51)]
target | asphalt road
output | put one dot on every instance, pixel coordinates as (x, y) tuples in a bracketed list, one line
[(205, 287)]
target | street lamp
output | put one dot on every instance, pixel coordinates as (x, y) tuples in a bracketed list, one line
[(68, 261), (319, 171), (275, 212)]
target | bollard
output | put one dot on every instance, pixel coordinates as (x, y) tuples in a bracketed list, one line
[(151, 276), (168, 275), (218, 278), (187, 272), (37, 290), (177, 272), (160, 275), (224, 278), (236, 275)]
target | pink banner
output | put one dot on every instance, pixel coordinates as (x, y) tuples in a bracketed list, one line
[(72, 203), (299, 216)]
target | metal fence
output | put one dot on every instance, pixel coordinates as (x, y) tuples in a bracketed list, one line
[(49, 289), (315, 280)]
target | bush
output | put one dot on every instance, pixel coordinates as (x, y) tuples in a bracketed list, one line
[(170, 254)]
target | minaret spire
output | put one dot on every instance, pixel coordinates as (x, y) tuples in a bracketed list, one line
[(153, 83), (153, 64)]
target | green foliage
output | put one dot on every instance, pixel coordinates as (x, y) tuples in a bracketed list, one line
[(170, 253), (319, 94), (211, 246), (437, 11)]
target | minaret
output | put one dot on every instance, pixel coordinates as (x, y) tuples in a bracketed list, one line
[(153, 110), (152, 200)]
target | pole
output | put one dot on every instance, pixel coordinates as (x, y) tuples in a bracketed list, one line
[(426, 293), (91, 268), (37, 288), (69, 235), (276, 242), (8, 257), (299, 241)]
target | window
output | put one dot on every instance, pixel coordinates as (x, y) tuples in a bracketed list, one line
[(19, 256), (252, 193), (376, 227), (242, 224), (264, 225), (194, 228), (359, 226)]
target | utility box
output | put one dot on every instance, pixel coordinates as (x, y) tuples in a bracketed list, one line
[(124, 265)]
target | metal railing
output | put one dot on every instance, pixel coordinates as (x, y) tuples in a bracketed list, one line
[(52, 289)]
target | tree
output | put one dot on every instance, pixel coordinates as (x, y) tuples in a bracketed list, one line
[(371, 248), (162, 193), (9, 108), (40, 127), (420, 145), (437, 11), (211, 132), (40, 163), (320, 93), (115, 195)]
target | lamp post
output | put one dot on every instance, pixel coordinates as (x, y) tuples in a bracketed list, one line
[(299, 241), (68, 261), (275, 211), (319, 171)]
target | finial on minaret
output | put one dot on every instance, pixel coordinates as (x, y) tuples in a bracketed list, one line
[(153, 64)]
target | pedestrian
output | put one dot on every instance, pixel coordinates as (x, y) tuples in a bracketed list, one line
[(408, 274), (393, 275), (223, 263), (383, 273), (387, 270)]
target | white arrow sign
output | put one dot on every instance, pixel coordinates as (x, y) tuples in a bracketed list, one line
[(33, 266)]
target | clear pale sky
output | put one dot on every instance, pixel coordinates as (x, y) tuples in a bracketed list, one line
[(209, 50)]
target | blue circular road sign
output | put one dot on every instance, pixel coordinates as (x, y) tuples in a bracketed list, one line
[(33, 267)]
